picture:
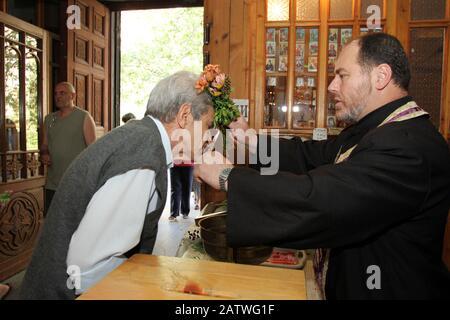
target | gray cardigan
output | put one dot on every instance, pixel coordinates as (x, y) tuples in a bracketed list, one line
[(135, 145)]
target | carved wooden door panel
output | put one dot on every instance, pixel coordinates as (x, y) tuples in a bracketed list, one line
[(24, 56), (88, 61)]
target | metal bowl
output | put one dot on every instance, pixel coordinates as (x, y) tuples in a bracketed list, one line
[(213, 234)]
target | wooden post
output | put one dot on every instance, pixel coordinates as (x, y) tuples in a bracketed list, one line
[(323, 68), (3, 5)]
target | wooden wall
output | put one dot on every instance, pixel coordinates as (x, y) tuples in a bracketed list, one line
[(233, 43)]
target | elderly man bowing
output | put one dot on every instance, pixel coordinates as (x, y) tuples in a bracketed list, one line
[(111, 197)]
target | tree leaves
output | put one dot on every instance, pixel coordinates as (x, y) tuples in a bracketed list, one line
[(157, 43)]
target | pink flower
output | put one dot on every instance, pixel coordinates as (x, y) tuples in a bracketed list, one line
[(219, 81), (214, 68), (211, 71)]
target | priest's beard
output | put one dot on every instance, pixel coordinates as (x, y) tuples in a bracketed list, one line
[(357, 102)]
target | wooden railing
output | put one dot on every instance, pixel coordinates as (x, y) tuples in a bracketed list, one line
[(20, 165)]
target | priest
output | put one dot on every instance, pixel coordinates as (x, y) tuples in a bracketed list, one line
[(373, 201)]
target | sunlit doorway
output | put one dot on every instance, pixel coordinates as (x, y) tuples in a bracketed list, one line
[(154, 44)]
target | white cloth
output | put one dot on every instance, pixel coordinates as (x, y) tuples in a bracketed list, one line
[(165, 140), (113, 222)]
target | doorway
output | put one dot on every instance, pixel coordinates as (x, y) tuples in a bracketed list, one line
[(154, 44)]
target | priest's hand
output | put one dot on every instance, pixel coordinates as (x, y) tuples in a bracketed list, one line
[(213, 163), (243, 134)]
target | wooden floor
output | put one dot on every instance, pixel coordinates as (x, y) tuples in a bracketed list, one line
[(171, 233)]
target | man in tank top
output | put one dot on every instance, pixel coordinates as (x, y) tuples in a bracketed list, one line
[(67, 132)]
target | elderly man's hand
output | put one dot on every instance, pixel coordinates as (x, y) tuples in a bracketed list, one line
[(209, 170), (240, 123), (46, 160), (243, 134)]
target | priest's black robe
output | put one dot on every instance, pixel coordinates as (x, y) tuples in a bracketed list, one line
[(385, 206)]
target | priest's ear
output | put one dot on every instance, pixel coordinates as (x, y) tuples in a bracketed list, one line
[(184, 115), (383, 74)]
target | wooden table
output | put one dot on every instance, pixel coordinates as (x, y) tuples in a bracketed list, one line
[(168, 278)]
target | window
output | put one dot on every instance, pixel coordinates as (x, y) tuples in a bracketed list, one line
[(428, 55), (21, 114), (296, 69)]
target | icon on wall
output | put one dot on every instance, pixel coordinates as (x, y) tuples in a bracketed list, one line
[(270, 64)]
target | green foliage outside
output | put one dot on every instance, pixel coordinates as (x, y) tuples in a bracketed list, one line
[(155, 44), (12, 99)]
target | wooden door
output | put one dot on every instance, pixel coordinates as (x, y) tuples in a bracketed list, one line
[(24, 74), (88, 61)]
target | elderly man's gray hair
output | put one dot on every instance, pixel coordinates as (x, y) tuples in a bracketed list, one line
[(170, 93)]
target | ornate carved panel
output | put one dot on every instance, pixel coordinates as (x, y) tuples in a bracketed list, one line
[(19, 224), (81, 50), (98, 56), (98, 101), (21, 165), (33, 164), (81, 86), (14, 166)]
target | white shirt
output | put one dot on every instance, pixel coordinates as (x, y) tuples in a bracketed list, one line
[(113, 222)]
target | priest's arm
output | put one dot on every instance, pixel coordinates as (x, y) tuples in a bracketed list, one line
[(381, 184), (292, 155)]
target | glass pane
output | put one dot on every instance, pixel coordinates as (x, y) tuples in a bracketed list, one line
[(366, 4), (306, 65), (337, 38), (275, 108), (12, 98), (31, 98), (313, 50), (426, 58), (11, 34), (427, 9), (277, 10), (23, 9), (31, 41), (300, 65), (307, 10), (304, 108), (277, 48), (341, 9)]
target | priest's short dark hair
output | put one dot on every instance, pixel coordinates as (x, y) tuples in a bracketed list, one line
[(379, 48)]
